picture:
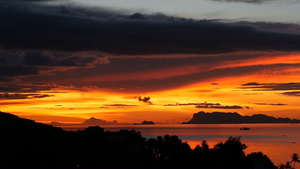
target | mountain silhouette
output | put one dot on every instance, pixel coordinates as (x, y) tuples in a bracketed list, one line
[(235, 118)]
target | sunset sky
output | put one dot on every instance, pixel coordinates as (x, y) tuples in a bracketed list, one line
[(159, 60)]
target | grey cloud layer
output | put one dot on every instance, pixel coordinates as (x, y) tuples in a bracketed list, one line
[(23, 96), (20, 88), (55, 29), (36, 38), (244, 1), (154, 83), (15, 63), (271, 86), (294, 88), (294, 93)]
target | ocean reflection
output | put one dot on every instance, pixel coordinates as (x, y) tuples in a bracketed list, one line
[(278, 141)]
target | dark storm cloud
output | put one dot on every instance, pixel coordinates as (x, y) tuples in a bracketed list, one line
[(271, 86), (25, 62), (9, 89), (208, 105), (294, 88), (31, 0), (273, 26), (27, 87), (5, 79), (131, 65), (23, 96), (18, 70), (39, 59), (11, 65), (244, 1), (139, 64), (294, 93), (31, 28), (149, 84), (60, 40), (174, 82)]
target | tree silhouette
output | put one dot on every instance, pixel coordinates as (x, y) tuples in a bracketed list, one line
[(51, 147), (288, 165), (259, 160), (295, 158), (205, 145), (231, 153), (281, 166)]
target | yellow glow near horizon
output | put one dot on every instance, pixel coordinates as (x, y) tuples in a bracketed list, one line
[(78, 105), (128, 109)]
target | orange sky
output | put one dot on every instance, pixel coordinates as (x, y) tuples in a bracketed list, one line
[(70, 104), (73, 62)]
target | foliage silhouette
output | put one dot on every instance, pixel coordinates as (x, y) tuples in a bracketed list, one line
[(295, 159), (27, 144), (259, 160), (231, 153), (288, 165), (281, 166)]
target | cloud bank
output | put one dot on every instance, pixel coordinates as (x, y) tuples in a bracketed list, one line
[(52, 28), (208, 105), (245, 1), (114, 50), (271, 86)]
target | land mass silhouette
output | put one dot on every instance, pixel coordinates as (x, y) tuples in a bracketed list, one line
[(145, 123), (235, 118), (89, 122), (27, 144)]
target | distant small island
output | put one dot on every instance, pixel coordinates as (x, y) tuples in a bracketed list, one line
[(235, 118), (145, 123), (89, 122)]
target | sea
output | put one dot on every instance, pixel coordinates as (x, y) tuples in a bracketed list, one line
[(277, 141)]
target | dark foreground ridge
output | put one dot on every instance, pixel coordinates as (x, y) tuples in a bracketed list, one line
[(27, 144), (235, 118)]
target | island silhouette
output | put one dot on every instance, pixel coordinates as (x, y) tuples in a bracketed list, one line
[(235, 118), (145, 123), (27, 144), (88, 122)]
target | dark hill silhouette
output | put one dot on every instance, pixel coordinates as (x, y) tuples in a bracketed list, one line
[(235, 118), (27, 144)]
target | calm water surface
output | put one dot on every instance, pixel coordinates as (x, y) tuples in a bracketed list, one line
[(277, 141)]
